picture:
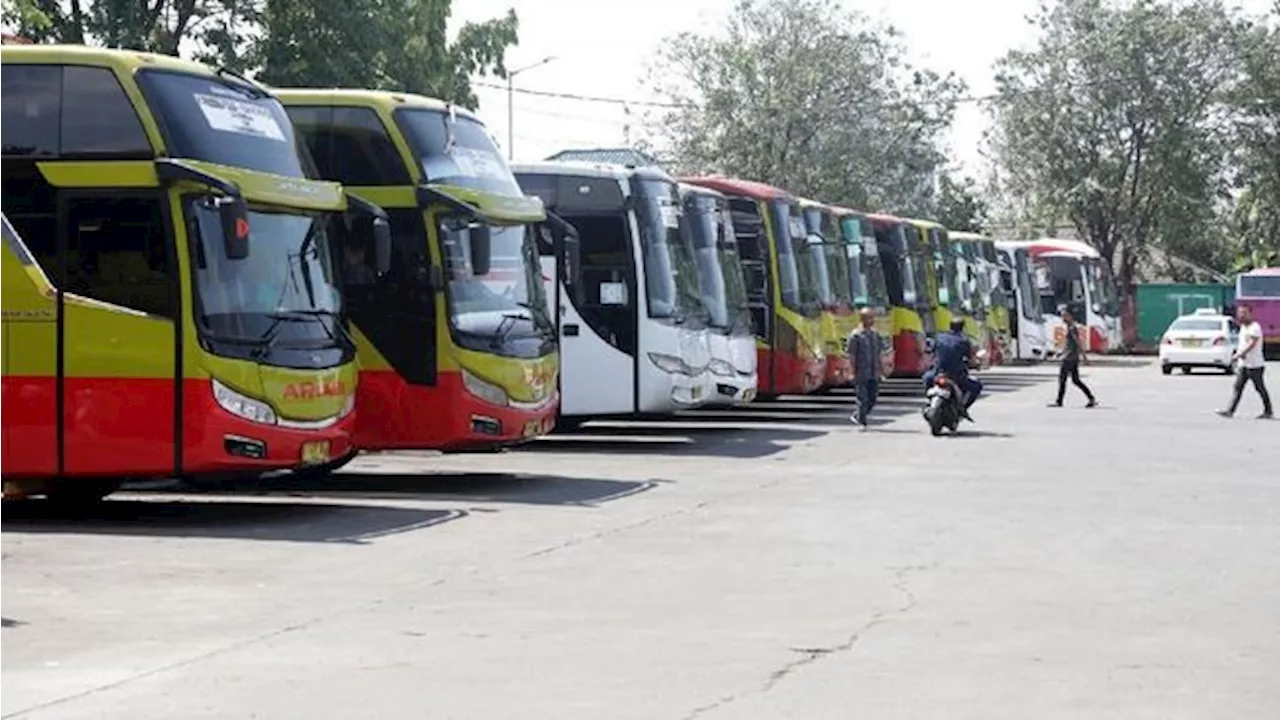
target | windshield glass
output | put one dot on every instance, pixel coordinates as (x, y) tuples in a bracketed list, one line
[(670, 272), (1200, 324), (788, 268), (731, 270), (224, 122), (1089, 266), (284, 294), (1258, 286), (1110, 293), (506, 305), (456, 150), (818, 256), (873, 269), (907, 266), (705, 222), (1031, 309)]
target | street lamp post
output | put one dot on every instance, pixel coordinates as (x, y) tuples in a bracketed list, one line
[(511, 105)]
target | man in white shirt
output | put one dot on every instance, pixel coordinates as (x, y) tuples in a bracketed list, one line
[(1250, 363)]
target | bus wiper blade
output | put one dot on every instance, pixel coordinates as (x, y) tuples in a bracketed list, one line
[(308, 316), (505, 327)]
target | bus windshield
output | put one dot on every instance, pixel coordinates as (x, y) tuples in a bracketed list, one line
[(670, 272), (731, 268), (788, 268), (505, 307), (1258, 286), (1030, 296), (224, 121), (817, 254), (456, 150), (284, 295), (705, 221)]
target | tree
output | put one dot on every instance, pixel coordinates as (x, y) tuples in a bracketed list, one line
[(381, 44), (211, 28), (1255, 217), (960, 206), (1113, 124), (805, 96)]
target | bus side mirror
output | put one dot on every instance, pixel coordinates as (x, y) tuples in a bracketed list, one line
[(382, 245), (234, 213), (481, 239)]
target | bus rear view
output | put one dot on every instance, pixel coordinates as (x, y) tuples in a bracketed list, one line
[(1260, 290)]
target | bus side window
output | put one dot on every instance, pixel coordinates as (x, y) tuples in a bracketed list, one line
[(117, 254)]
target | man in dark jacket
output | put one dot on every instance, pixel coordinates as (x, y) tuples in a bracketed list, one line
[(953, 353), (864, 347), (1072, 356)]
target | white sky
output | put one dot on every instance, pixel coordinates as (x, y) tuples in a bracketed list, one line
[(602, 48)]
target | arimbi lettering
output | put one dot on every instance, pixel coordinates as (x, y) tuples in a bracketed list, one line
[(314, 389)]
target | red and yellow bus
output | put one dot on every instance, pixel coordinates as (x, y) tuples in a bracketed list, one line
[(171, 305), (908, 276), (827, 246), (866, 276), (781, 281), (457, 349)]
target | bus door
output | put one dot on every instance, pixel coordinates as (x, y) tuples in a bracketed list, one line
[(119, 393)]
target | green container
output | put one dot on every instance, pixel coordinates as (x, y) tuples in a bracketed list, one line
[(1160, 303)]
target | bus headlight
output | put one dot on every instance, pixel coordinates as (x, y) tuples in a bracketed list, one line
[(721, 368), (484, 389), (347, 406), (243, 406), (670, 364)]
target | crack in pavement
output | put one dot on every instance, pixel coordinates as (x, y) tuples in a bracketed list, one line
[(812, 655)]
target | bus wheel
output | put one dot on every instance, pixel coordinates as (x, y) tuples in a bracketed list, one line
[(79, 493), (317, 472)]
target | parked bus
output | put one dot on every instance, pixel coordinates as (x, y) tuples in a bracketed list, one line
[(1027, 325), (1082, 283), (980, 296), (831, 262), (911, 318), (456, 349), (171, 303), (781, 284), (1260, 290), (710, 237), (867, 287), (1001, 304), (633, 330)]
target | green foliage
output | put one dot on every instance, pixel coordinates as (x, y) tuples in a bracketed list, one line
[(960, 205), (1118, 123), (382, 44), (806, 96)]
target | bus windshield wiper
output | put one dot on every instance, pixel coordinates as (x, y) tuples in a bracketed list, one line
[(307, 316), (505, 327)]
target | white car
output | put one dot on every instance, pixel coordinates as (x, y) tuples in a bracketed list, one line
[(1204, 339)]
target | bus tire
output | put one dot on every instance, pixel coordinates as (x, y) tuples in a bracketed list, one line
[(80, 493)]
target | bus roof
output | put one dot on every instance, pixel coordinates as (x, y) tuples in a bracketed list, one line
[(967, 236), (126, 61), (1041, 245), (590, 169), (744, 188), (381, 99), (928, 224), (884, 217), (689, 189)]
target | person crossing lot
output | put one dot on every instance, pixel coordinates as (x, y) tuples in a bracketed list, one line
[(1250, 364), (1072, 356)]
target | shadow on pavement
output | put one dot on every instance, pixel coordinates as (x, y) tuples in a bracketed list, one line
[(475, 487), (223, 519), (713, 433)]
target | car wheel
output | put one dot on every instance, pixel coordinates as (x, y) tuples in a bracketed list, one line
[(1166, 369)]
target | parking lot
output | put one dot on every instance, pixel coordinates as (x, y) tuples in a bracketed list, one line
[(771, 562)]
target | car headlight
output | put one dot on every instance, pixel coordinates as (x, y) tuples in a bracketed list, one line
[(484, 389), (721, 368), (243, 406), (670, 364)]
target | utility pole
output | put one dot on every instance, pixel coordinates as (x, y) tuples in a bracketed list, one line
[(511, 103)]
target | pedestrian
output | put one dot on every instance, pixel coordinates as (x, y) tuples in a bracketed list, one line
[(1250, 364), (1072, 356), (864, 347)]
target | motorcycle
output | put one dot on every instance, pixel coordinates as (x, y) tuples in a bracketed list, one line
[(942, 406)]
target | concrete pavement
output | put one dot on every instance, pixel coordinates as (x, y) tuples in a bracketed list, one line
[(766, 563)]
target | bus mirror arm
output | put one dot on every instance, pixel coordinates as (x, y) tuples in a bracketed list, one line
[(233, 211), (381, 232)]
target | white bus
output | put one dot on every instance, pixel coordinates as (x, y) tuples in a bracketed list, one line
[(634, 336), (711, 237), (1082, 282), (1027, 286)]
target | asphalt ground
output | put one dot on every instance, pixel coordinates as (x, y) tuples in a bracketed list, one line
[(769, 562)]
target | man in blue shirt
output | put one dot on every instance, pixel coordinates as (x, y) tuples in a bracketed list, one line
[(952, 355)]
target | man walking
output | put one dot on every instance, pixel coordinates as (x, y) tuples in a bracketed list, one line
[(1072, 356), (864, 348), (1251, 363)]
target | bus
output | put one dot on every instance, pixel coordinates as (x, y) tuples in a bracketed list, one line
[(911, 316), (1260, 290), (1021, 283), (634, 334), (457, 352), (867, 287), (1081, 282), (831, 263), (781, 281), (710, 236), (170, 281), (980, 293)]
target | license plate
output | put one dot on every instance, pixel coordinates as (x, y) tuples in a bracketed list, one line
[(315, 452), (531, 428), (1192, 343)]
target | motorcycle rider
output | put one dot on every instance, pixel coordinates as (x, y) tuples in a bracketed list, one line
[(953, 354)]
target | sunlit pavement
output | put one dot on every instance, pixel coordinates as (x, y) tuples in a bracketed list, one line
[(1119, 562)]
